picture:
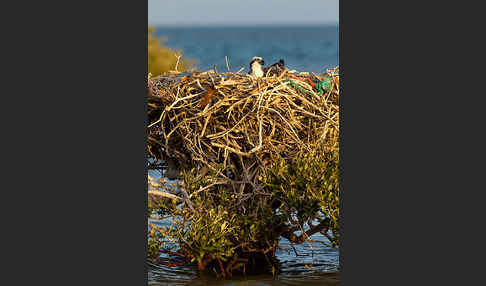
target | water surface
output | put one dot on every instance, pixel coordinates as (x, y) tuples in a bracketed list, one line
[(306, 48), (295, 269)]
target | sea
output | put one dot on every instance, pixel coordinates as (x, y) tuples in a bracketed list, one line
[(303, 48)]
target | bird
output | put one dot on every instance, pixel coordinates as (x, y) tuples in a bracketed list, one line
[(276, 68), (256, 65), (257, 69)]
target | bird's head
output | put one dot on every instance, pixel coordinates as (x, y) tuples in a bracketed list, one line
[(258, 60)]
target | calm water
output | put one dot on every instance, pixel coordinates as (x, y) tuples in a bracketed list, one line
[(324, 260), (311, 49)]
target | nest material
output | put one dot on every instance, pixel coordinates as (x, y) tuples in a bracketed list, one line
[(235, 125)]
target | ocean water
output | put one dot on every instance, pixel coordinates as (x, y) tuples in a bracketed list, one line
[(311, 49), (303, 48)]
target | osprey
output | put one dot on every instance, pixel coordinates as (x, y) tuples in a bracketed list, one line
[(276, 68), (257, 69), (256, 65)]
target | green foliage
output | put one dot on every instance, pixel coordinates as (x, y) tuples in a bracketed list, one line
[(162, 59), (308, 188), (218, 230), (305, 187)]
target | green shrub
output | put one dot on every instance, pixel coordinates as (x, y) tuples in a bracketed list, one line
[(305, 195), (306, 191)]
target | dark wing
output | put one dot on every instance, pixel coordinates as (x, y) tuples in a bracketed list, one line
[(276, 68)]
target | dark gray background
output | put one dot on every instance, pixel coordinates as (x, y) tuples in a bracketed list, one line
[(77, 145)]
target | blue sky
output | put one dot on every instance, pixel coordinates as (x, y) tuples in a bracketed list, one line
[(242, 12)]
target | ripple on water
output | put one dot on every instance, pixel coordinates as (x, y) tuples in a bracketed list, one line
[(296, 270)]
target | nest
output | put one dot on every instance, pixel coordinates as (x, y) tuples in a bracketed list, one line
[(235, 125)]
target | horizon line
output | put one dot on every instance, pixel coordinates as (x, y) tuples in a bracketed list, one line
[(219, 25)]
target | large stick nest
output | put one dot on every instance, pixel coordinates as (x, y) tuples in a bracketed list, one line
[(235, 125)]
